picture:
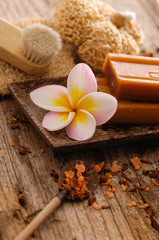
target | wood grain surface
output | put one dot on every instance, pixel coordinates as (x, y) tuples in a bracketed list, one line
[(29, 174)]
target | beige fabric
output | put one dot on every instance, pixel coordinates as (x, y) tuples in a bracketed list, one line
[(16, 9)]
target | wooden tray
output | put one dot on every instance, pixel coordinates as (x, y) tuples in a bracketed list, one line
[(104, 136)]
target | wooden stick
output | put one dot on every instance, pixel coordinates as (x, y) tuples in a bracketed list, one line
[(41, 217)]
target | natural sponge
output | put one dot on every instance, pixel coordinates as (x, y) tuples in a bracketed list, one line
[(103, 39), (96, 29), (73, 19)]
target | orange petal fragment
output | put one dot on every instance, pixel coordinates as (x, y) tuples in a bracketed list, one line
[(136, 163), (144, 206), (132, 203), (115, 168), (97, 168), (80, 167), (69, 174), (124, 187), (11, 144), (154, 182), (96, 206), (110, 194)]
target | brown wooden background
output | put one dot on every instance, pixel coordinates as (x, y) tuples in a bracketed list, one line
[(29, 174)]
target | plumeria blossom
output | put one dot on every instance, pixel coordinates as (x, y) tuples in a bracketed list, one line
[(79, 108)]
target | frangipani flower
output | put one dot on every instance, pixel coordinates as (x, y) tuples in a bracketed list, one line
[(79, 108)]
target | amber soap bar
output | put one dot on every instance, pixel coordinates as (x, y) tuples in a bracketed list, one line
[(133, 78), (130, 112)]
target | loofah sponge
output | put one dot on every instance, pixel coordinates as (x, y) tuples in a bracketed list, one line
[(73, 19), (104, 38), (96, 29)]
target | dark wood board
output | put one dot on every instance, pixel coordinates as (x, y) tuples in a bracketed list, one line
[(29, 174), (105, 135)]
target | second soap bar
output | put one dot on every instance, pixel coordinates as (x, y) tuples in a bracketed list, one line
[(133, 78)]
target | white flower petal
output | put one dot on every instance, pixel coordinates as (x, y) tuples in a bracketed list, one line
[(101, 105), (82, 126), (81, 81), (54, 121), (51, 97)]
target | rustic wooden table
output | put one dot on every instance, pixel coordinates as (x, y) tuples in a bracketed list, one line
[(29, 174)]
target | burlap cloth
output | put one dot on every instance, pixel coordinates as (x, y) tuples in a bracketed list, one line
[(22, 13)]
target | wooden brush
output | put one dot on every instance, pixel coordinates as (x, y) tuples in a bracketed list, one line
[(31, 49)]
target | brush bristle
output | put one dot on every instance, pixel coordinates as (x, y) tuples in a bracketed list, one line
[(40, 43)]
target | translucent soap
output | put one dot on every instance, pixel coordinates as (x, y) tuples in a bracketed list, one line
[(131, 112), (133, 78)]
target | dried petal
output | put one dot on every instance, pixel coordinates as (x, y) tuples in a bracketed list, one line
[(144, 206), (96, 206), (80, 167), (110, 194), (91, 200), (11, 144), (115, 168), (132, 203), (146, 161), (105, 206), (125, 176), (136, 163), (69, 174), (154, 182), (124, 187)]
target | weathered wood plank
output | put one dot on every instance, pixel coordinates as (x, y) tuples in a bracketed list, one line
[(29, 174)]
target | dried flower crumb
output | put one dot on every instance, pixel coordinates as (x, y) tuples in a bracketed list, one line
[(140, 188), (126, 177), (113, 189), (154, 182), (145, 171), (20, 196), (23, 150), (14, 118), (144, 206), (132, 204), (146, 161), (80, 167), (11, 144), (124, 187), (132, 189), (115, 168), (91, 200), (105, 206), (110, 194), (42, 150), (108, 182), (97, 168), (149, 212), (96, 206), (136, 163)]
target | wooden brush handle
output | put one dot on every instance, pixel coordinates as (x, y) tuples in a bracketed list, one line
[(11, 49), (42, 216)]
